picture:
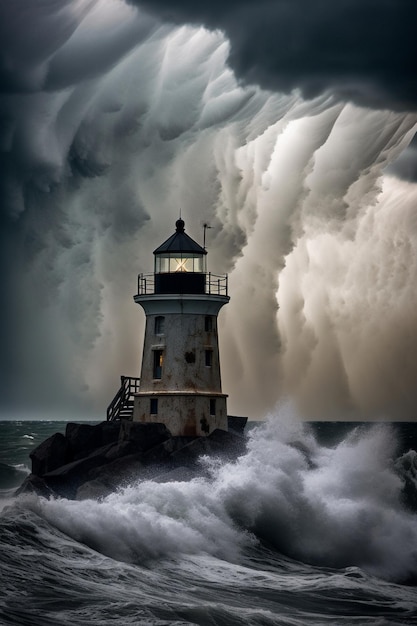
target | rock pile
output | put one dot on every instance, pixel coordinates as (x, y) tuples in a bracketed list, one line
[(92, 461)]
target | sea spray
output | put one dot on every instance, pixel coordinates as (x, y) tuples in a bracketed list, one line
[(333, 507), (149, 520)]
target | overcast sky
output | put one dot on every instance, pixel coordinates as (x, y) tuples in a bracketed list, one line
[(287, 125)]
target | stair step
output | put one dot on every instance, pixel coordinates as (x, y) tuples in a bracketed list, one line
[(123, 402)]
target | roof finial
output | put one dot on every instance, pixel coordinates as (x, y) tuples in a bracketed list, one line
[(180, 224)]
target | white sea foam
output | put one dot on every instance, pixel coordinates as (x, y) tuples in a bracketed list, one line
[(149, 520), (336, 506), (329, 506)]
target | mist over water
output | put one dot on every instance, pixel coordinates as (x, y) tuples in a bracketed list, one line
[(114, 120)]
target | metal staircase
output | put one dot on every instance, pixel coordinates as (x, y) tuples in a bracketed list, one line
[(121, 407)]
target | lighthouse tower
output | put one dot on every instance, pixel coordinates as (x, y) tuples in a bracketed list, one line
[(180, 379)]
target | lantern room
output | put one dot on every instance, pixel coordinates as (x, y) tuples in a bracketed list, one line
[(180, 264)]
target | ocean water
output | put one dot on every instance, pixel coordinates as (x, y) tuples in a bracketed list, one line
[(292, 533)]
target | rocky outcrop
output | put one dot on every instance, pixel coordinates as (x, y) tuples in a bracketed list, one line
[(221, 444), (50, 454), (93, 461)]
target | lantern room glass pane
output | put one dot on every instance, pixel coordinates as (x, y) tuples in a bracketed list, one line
[(161, 264), (177, 262)]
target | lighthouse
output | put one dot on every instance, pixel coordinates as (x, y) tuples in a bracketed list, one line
[(180, 383)]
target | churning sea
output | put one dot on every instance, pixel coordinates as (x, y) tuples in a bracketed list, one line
[(292, 533)]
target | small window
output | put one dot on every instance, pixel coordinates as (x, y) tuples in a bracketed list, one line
[(154, 406), (158, 359), (208, 323), (212, 407), (159, 325), (209, 358)]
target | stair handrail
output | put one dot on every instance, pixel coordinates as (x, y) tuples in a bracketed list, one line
[(128, 386)]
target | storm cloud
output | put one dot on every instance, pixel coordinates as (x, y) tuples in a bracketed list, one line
[(287, 126), (364, 51)]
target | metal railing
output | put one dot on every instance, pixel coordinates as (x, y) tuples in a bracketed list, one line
[(146, 284), (122, 403), (215, 284)]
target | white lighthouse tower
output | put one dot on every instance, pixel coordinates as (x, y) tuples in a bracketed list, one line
[(180, 379)]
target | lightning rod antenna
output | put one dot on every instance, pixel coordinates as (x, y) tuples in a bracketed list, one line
[(205, 226)]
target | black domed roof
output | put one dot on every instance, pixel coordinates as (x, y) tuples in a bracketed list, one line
[(180, 242)]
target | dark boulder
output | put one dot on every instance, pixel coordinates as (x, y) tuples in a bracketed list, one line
[(188, 455), (227, 442), (119, 471), (66, 479), (161, 453), (93, 490), (119, 450), (143, 435), (84, 438), (236, 424), (110, 432), (35, 485), (92, 461), (219, 443), (50, 454), (105, 479)]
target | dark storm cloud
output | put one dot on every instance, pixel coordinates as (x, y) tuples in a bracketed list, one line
[(363, 50), (112, 118), (30, 32), (51, 54)]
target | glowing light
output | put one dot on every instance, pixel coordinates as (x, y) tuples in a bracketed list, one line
[(181, 265)]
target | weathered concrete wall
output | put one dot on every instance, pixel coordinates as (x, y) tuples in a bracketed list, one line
[(184, 414), (184, 345)]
